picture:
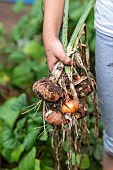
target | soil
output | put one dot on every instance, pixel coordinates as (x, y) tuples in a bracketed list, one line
[(8, 17)]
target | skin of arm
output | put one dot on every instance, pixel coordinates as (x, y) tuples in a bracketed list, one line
[(53, 14)]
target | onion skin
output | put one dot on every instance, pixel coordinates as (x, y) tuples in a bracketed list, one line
[(55, 118), (70, 107), (84, 88), (83, 109), (76, 77)]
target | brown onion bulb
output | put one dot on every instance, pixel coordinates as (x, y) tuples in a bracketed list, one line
[(70, 107), (47, 90), (55, 118)]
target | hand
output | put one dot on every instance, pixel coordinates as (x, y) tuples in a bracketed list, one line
[(54, 52)]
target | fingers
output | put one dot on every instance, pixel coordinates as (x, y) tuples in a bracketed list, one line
[(64, 59), (51, 61), (54, 52), (61, 55)]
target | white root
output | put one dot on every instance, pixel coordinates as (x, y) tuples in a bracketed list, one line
[(36, 104)]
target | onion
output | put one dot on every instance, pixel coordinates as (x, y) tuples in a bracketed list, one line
[(70, 107), (47, 90), (76, 77), (55, 118)]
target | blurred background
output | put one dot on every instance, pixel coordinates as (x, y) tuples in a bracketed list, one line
[(23, 144)]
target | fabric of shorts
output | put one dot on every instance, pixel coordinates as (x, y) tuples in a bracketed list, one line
[(104, 79)]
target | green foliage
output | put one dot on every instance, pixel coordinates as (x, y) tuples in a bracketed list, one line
[(30, 139), (37, 164), (21, 75), (17, 142), (17, 153), (23, 145), (34, 49), (28, 161), (19, 6), (7, 108), (85, 163), (1, 29)]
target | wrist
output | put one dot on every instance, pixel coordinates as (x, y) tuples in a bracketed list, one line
[(49, 34), (49, 38)]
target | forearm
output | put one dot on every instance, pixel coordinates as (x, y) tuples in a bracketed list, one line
[(53, 14)]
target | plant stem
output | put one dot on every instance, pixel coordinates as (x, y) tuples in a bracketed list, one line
[(65, 26), (79, 25)]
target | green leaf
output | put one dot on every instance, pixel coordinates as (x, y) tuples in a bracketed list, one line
[(22, 75), (20, 124), (20, 103), (65, 146), (75, 161), (10, 110), (85, 162), (98, 152), (30, 139), (28, 161), (43, 137), (6, 153), (7, 113), (34, 49), (37, 164), (15, 155), (9, 138)]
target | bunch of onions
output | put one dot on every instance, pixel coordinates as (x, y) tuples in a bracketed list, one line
[(70, 107)]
